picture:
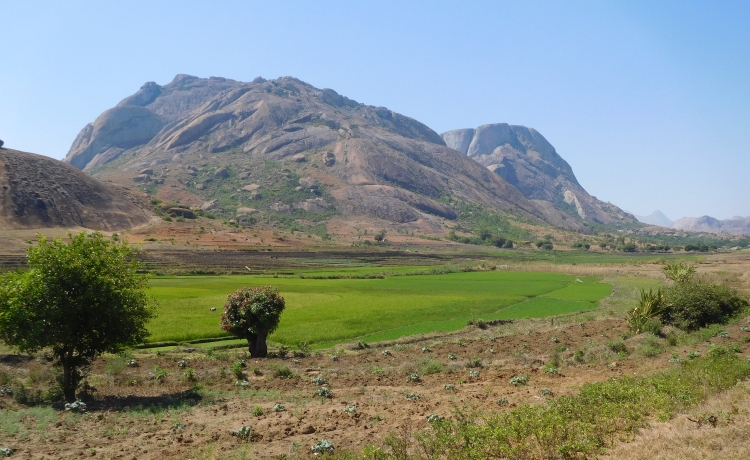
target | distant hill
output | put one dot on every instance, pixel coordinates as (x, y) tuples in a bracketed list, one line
[(39, 192), (656, 218), (284, 151), (735, 226), (524, 158)]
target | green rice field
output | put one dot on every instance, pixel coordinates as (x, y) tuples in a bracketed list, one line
[(321, 310)]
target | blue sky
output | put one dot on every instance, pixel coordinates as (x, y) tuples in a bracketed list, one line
[(649, 101)]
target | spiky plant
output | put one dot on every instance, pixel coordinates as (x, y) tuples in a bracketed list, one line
[(650, 305)]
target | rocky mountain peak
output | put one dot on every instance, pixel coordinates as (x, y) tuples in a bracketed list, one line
[(525, 159)]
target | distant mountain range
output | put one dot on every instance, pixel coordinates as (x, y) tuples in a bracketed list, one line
[(737, 225), (283, 149), (655, 218)]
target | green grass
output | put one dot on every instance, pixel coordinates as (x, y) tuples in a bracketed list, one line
[(335, 310)]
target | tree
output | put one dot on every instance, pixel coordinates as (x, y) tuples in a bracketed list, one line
[(79, 299), (380, 237), (253, 313)]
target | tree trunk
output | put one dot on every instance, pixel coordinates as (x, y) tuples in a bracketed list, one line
[(252, 339), (69, 380), (261, 349)]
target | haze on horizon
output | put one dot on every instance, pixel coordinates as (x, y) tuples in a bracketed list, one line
[(648, 102)]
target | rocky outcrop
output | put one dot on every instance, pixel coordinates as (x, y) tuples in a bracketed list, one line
[(39, 192), (525, 159)]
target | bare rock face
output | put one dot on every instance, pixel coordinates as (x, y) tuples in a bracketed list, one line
[(39, 192), (1, 143), (525, 159)]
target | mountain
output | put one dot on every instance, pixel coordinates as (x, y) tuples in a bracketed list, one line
[(282, 150), (525, 159), (735, 226), (656, 218), (39, 192)]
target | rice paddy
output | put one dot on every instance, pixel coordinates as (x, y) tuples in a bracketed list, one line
[(335, 310)]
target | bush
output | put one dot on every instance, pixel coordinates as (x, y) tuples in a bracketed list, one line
[(693, 305)]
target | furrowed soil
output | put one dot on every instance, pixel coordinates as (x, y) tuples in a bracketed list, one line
[(136, 415)]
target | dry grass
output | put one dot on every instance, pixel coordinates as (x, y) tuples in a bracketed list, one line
[(683, 439)]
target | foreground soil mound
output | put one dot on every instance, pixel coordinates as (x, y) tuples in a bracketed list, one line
[(39, 192)]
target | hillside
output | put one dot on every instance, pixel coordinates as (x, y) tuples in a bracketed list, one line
[(735, 226), (525, 159), (284, 151), (39, 192)]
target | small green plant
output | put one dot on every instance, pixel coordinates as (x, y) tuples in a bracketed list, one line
[(278, 407), (551, 370), (474, 374), (324, 392), (351, 410), (319, 380), (693, 354), (519, 380), (182, 363), (323, 446), (452, 356), (503, 401), (431, 367), (77, 407), (283, 372), (555, 340), (413, 377), (450, 387), (545, 392), (188, 374), (304, 348), (618, 347), (578, 356), (412, 396), (244, 432), (434, 418), (6, 451), (362, 345), (160, 374), (334, 357), (475, 362), (256, 371), (426, 349), (237, 368), (257, 411), (386, 352)]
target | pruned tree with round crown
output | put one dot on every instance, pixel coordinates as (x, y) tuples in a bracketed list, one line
[(253, 313)]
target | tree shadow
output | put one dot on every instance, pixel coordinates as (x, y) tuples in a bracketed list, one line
[(154, 404)]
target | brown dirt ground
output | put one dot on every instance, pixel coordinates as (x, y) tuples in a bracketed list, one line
[(117, 425)]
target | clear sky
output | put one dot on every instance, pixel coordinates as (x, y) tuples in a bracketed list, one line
[(649, 101)]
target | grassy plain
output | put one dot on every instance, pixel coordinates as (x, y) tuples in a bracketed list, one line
[(321, 310)]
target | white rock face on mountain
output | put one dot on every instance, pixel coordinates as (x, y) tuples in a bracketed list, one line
[(525, 159)]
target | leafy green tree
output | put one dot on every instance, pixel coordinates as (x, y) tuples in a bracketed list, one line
[(380, 236), (79, 299), (253, 313)]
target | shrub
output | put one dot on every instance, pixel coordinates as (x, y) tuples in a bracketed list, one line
[(650, 305), (679, 272), (519, 380), (692, 305), (243, 432), (283, 372), (257, 411), (237, 368)]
